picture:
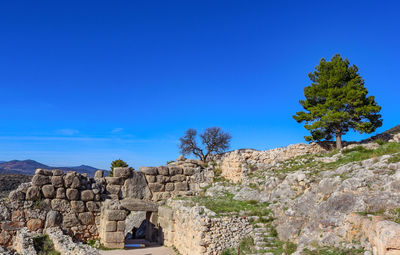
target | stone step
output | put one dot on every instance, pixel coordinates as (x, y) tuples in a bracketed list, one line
[(261, 243), (260, 230)]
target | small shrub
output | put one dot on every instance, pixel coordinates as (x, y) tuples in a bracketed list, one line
[(380, 141), (44, 246)]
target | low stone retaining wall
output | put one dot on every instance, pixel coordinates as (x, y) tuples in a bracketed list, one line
[(196, 230)]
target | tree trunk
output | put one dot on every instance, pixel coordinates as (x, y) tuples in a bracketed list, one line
[(339, 141)]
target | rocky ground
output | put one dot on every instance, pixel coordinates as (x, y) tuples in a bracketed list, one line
[(308, 204)]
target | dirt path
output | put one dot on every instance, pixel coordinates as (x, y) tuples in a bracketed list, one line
[(141, 251)]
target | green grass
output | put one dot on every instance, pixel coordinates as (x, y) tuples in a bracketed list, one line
[(44, 246), (380, 212), (394, 159), (226, 204), (333, 251), (245, 247)]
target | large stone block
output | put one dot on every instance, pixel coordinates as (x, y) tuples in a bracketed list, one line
[(174, 170), (78, 206), (136, 187), (120, 245), (57, 181), (115, 180), (149, 170), (73, 194), (156, 187), (132, 204), (70, 220), (169, 187), (33, 193), (113, 189), (124, 172), (151, 178), (60, 193), (53, 219), (48, 191), (114, 237), (34, 224), (45, 172), (121, 226), (69, 178), (188, 171), (16, 195), (99, 174), (115, 215), (162, 179), (60, 205), (181, 186), (93, 206), (178, 178), (87, 195), (58, 172), (163, 170), (40, 180), (87, 218)]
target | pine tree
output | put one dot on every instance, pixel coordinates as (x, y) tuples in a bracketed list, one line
[(337, 101), (116, 163)]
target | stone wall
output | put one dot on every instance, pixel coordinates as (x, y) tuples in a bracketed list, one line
[(195, 230), (235, 163)]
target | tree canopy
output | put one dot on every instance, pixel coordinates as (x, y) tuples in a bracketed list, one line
[(214, 140), (337, 101), (116, 163)]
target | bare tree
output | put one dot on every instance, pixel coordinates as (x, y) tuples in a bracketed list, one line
[(214, 140)]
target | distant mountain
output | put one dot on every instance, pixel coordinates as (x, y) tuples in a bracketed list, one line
[(28, 167)]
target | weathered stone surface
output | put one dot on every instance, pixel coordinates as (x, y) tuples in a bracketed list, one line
[(178, 178), (78, 206), (60, 193), (134, 220), (99, 174), (72, 194), (33, 193), (70, 220), (5, 237), (57, 181), (188, 171), (181, 186), (86, 218), (115, 180), (151, 178), (23, 243), (60, 205), (121, 226), (162, 179), (169, 187), (123, 172), (131, 204), (87, 195), (174, 170), (68, 179), (16, 195), (12, 225), (149, 170), (76, 183), (34, 224), (93, 206), (53, 219), (136, 187), (113, 189), (163, 170), (114, 237), (40, 180), (45, 172), (111, 226), (4, 213), (115, 215), (156, 187), (48, 191), (58, 172)]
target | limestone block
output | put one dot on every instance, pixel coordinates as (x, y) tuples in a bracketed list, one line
[(70, 220), (99, 174), (149, 170), (113, 189), (114, 245), (181, 186), (4, 238), (114, 180), (45, 172), (163, 170), (87, 195), (132, 204), (111, 226), (93, 206), (174, 170), (16, 195), (48, 191), (68, 179), (76, 183), (86, 218), (169, 187), (57, 181), (121, 226), (53, 219), (78, 206), (114, 237), (40, 180), (60, 193), (136, 187), (124, 172), (33, 193), (34, 224), (151, 178), (12, 225), (73, 194), (115, 215), (58, 172), (188, 171), (60, 205), (156, 187), (162, 179), (178, 178)]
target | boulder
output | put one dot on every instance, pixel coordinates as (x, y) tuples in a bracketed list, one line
[(60, 205), (115, 215), (16, 195), (40, 180), (33, 193), (123, 172), (115, 180), (53, 219), (72, 194), (178, 178), (181, 186), (57, 181), (93, 206), (45, 172), (48, 191), (70, 220), (163, 170), (78, 206), (58, 172), (156, 187), (99, 174), (60, 193), (113, 189), (86, 218), (149, 170), (174, 170), (87, 195), (136, 187), (132, 204), (34, 224)]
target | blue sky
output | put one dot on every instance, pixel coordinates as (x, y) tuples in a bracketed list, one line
[(87, 82)]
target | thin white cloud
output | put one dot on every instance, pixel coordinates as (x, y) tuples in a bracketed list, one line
[(67, 131), (116, 130)]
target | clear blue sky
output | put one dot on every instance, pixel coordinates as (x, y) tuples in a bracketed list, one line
[(86, 82)]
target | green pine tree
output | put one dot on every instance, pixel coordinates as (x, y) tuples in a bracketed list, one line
[(337, 101), (116, 163)]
